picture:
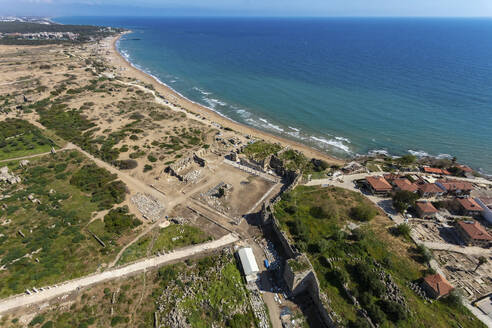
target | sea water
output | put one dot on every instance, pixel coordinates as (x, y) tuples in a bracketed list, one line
[(347, 86)]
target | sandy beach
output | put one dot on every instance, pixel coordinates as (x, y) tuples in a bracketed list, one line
[(175, 98)]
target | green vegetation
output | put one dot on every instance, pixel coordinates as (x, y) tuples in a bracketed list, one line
[(55, 244), (100, 184), (294, 160), (403, 199), (349, 261), (167, 239), (118, 221), (20, 138), (219, 302), (207, 293), (260, 150)]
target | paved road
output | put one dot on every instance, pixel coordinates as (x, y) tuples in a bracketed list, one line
[(71, 286), (468, 250)]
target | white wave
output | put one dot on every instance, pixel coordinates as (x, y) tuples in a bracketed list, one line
[(342, 139), (332, 142), (419, 153), (242, 112), (295, 129), (214, 102), (203, 92), (379, 152)]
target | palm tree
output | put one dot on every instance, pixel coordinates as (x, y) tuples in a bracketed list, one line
[(481, 260)]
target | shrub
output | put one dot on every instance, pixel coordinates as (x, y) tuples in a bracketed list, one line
[(424, 252), (126, 164), (403, 229), (377, 316), (37, 320), (359, 323), (118, 220), (147, 168), (395, 311), (363, 212), (151, 158)]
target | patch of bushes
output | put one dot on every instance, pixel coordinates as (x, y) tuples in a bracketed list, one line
[(119, 220), (100, 184)]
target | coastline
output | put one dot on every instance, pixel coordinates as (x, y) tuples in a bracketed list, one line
[(179, 100)]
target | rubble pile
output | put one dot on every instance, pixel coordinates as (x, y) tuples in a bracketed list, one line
[(393, 292), (192, 176), (6, 176), (216, 196), (419, 291), (150, 207)]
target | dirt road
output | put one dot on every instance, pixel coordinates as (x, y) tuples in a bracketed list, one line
[(71, 286), (132, 183), (67, 147)]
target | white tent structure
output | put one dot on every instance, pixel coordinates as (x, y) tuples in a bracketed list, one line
[(248, 262)]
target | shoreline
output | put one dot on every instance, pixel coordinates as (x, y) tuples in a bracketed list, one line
[(181, 101)]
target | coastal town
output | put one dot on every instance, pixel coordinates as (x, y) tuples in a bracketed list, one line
[(124, 204)]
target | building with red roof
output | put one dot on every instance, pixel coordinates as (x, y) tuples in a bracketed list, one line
[(378, 185), (473, 233), (405, 184), (435, 170), (428, 190), (425, 209), (456, 187), (436, 286), (469, 207)]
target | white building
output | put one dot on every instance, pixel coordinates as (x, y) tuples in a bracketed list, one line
[(486, 204), (248, 262)]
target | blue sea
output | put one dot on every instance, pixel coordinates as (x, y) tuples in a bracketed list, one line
[(347, 86)]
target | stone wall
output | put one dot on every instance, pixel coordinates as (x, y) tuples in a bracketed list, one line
[(302, 282)]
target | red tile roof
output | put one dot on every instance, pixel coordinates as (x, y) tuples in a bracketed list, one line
[(469, 204), (379, 183), (430, 188), (439, 284), (435, 170), (392, 176), (453, 185), (405, 184), (475, 230), (426, 207)]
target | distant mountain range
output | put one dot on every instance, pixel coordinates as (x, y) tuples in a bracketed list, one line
[(27, 19)]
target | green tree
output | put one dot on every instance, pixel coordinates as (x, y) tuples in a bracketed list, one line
[(481, 261), (407, 159), (403, 199)]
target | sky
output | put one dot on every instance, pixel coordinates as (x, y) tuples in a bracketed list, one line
[(433, 8)]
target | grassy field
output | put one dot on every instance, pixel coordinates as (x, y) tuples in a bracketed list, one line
[(167, 239), (205, 293), (316, 218), (48, 242), (19, 138), (260, 150)]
